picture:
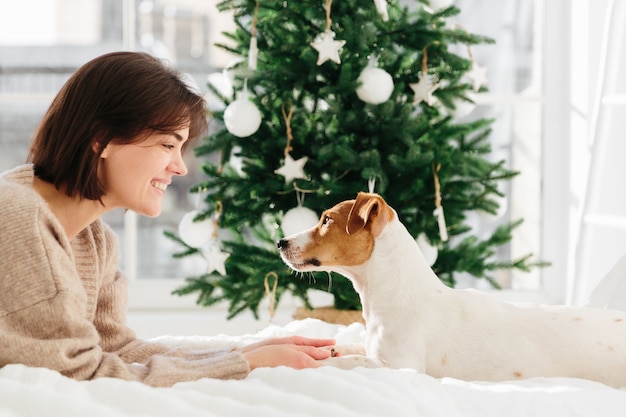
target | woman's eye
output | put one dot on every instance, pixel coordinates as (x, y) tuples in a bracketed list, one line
[(168, 145)]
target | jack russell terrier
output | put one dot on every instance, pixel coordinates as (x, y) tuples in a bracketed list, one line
[(415, 321)]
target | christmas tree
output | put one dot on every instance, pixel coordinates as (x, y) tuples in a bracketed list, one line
[(333, 98)]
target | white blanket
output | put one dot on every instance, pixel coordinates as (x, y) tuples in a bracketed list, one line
[(323, 392)]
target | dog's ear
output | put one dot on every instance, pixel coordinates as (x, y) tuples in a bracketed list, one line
[(369, 210)]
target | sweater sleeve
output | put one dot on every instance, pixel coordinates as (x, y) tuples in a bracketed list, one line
[(116, 337), (44, 314)]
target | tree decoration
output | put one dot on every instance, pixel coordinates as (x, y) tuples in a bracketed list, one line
[(202, 235), (463, 106), (437, 5), (441, 218), (271, 293), (298, 218), (424, 88), (477, 74), (221, 89), (236, 161), (253, 50), (216, 258), (291, 169), (381, 8), (241, 117), (195, 233), (325, 43), (371, 184), (375, 84)]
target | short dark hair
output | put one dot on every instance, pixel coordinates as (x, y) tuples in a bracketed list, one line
[(119, 97)]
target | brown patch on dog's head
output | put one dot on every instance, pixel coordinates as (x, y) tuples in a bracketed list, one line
[(369, 211), (346, 232), (331, 244), (344, 236)]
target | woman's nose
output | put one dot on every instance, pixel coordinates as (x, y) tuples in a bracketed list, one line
[(178, 166)]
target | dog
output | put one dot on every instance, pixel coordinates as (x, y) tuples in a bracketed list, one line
[(415, 321)]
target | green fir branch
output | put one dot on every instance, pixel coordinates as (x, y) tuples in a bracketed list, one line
[(348, 142)]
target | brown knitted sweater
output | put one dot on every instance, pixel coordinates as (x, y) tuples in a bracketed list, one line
[(63, 303)]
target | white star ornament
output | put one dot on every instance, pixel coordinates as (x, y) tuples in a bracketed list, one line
[(327, 47), (477, 75), (292, 169), (215, 259), (424, 90)]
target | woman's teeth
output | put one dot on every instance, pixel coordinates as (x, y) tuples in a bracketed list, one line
[(161, 186)]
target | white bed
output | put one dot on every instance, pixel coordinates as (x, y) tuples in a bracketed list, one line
[(323, 392)]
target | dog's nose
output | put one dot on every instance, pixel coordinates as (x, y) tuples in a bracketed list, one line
[(282, 244)]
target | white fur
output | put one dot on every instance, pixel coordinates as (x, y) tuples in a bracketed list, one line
[(415, 321)]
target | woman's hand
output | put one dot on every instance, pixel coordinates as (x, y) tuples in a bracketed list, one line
[(295, 352)]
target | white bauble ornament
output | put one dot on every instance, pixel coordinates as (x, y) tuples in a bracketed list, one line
[(297, 220), (195, 234), (222, 84), (242, 118), (463, 107), (430, 252), (376, 85), (236, 161)]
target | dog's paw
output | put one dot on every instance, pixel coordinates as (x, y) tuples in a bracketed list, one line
[(348, 349), (353, 361)]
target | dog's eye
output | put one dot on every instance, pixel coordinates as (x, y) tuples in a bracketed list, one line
[(327, 220)]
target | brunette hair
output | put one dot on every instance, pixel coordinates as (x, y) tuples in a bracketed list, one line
[(120, 97)]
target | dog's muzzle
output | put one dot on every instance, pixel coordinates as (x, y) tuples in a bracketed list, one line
[(291, 258)]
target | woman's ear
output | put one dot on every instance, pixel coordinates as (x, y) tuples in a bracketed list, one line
[(99, 150)]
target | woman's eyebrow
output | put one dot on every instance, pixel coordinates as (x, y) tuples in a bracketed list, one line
[(179, 137)]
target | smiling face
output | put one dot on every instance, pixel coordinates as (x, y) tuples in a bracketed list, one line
[(135, 176)]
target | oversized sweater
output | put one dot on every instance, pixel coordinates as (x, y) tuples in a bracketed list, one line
[(63, 303)]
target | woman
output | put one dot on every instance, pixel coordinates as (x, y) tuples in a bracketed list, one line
[(112, 138)]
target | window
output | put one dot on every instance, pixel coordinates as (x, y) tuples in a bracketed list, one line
[(42, 42), (514, 101)]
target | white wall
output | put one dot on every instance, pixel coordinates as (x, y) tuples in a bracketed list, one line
[(598, 144)]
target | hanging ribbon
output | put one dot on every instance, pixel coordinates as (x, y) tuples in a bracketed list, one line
[(441, 219), (253, 52), (425, 61), (329, 21), (371, 184), (271, 293), (287, 117), (216, 218)]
